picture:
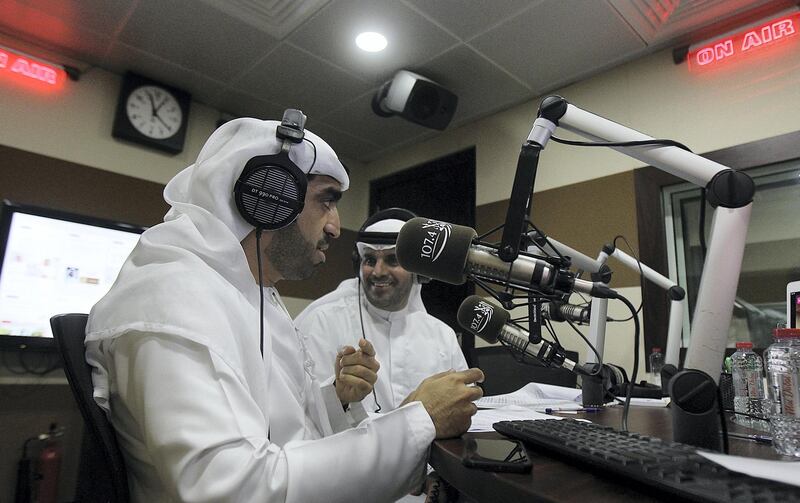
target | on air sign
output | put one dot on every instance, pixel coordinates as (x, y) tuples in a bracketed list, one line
[(748, 42), (30, 71)]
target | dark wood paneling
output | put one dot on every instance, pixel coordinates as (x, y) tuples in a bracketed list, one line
[(39, 180), (584, 216)]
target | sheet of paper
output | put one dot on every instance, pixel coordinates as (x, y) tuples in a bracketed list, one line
[(649, 402), (539, 396), (560, 392), (484, 419), (787, 472)]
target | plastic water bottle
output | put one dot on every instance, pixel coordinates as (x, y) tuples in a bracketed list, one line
[(656, 364), (783, 374), (748, 386)]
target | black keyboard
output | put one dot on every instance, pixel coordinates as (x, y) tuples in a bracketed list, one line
[(668, 466)]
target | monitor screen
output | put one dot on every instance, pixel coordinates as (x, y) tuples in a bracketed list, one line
[(54, 262), (794, 309)]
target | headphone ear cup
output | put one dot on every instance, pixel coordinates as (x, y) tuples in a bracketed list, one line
[(270, 193)]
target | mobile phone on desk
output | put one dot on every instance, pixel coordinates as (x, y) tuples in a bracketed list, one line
[(496, 455)]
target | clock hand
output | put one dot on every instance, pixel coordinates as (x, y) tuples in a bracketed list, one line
[(162, 122), (153, 108)]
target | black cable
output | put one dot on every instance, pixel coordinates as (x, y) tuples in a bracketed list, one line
[(260, 290), (548, 325), (594, 350), (35, 371), (641, 272), (490, 231), (702, 225), (629, 391), (9, 367), (754, 416), (314, 160), (636, 143), (723, 423), (364, 336)]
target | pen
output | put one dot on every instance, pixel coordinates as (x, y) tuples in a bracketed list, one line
[(761, 439)]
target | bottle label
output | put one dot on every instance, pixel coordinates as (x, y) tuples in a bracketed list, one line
[(748, 383), (789, 394), (755, 385)]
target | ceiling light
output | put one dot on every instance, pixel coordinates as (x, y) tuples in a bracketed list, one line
[(371, 41)]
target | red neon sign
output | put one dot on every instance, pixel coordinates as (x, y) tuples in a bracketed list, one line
[(745, 43), (30, 71)]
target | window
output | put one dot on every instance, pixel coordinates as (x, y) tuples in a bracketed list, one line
[(772, 251)]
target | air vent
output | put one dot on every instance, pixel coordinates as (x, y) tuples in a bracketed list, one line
[(660, 20), (277, 18)]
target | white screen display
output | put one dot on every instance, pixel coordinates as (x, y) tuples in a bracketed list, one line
[(55, 266)]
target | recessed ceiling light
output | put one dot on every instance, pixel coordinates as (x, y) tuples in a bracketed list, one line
[(371, 41)]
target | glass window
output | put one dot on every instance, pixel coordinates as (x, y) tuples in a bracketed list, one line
[(771, 257)]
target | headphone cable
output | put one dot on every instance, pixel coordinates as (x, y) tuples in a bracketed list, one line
[(364, 336), (260, 290)]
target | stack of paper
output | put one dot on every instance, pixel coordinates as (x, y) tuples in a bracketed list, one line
[(484, 419), (536, 396)]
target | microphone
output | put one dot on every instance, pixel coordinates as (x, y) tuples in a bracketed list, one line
[(490, 322), (446, 252), (558, 311)]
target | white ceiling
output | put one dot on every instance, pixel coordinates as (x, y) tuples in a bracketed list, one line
[(258, 57)]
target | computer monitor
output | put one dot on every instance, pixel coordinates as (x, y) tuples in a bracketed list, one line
[(54, 262)]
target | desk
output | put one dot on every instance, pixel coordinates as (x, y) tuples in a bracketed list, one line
[(554, 480)]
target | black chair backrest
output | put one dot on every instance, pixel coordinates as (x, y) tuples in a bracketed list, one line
[(102, 476), (503, 374)]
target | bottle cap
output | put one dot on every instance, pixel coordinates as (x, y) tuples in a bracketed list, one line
[(744, 345), (656, 350), (783, 333)]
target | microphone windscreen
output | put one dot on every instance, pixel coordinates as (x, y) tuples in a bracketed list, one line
[(435, 249), (482, 318)]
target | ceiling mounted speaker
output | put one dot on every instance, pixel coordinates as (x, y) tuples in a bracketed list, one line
[(416, 99)]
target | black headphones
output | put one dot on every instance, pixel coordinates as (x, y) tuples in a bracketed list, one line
[(271, 191)]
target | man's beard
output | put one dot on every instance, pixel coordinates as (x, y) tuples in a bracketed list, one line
[(394, 301), (291, 255)]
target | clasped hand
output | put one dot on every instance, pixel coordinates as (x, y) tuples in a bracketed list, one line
[(356, 371)]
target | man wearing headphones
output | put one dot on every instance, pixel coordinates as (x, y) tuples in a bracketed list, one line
[(382, 305), (200, 368)]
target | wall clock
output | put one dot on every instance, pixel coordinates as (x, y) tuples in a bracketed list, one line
[(151, 114)]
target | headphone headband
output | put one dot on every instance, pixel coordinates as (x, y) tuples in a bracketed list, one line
[(377, 238)]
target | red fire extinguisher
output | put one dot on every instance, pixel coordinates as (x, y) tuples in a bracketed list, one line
[(40, 485), (48, 466)]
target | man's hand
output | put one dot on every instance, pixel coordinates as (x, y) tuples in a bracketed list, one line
[(448, 400), (356, 372)]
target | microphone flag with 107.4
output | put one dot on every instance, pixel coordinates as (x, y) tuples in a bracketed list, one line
[(490, 322), (446, 252)]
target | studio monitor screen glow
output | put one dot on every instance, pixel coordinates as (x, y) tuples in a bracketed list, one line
[(52, 266)]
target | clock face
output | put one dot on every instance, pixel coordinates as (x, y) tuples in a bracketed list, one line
[(154, 112)]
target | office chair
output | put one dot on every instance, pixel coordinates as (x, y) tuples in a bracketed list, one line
[(503, 374), (102, 477)]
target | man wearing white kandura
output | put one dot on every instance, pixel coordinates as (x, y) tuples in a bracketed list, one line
[(200, 368), (382, 305)]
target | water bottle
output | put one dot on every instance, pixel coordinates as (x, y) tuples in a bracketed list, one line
[(783, 375), (748, 386), (656, 364)]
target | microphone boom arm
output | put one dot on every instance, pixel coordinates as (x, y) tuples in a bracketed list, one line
[(729, 190)]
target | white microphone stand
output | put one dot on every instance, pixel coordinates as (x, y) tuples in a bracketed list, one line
[(676, 293), (729, 190)]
